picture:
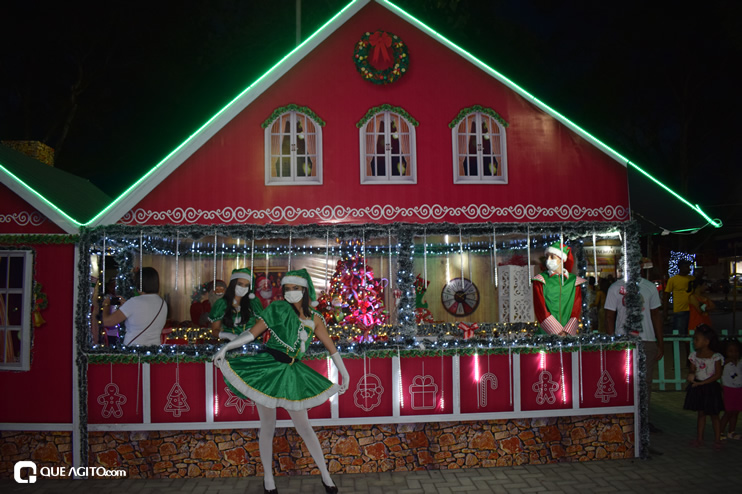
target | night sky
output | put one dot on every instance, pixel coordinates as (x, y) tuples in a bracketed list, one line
[(115, 86)]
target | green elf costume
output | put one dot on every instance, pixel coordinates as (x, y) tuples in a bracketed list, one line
[(243, 312), (276, 376), (557, 301)]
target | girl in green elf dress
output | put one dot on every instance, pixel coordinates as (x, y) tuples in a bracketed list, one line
[(236, 311), (276, 377)]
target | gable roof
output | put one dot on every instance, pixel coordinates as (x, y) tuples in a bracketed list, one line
[(64, 198), (116, 209)]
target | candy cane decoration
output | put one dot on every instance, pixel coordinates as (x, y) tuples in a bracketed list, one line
[(487, 380)]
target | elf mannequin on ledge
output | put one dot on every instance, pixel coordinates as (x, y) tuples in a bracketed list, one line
[(557, 299)]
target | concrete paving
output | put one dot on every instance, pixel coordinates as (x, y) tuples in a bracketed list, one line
[(680, 468)]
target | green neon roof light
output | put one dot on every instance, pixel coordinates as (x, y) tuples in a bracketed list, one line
[(597, 142), (225, 108), (619, 157), (40, 197)]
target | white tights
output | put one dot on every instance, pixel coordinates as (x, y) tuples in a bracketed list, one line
[(303, 427)]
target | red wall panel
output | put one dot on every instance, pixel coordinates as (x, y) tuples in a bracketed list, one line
[(43, 394)]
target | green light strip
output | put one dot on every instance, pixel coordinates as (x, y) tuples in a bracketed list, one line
[(597, 142), (40, 197), (216, 116), (608, 150)]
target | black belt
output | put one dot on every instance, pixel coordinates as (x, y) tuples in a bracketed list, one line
[(280, 356)]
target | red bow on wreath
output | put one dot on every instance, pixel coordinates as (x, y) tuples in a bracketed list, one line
[(468, 329), (381, 42)]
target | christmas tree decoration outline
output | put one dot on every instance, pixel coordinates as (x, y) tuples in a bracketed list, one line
[(177, 400), (112, 401), (606, 387), (545, 387)]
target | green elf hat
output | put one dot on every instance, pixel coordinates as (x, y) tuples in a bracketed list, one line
[(564, 252), (558, 250), (244, 274), (301, 277)]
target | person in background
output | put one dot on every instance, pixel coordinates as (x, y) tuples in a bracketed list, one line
[(704, 392), (651, 326), (110, 334), (590, 293), (235, 312), (731, 380), (677, 286), (699, 304), (599, 303), (145, 314)]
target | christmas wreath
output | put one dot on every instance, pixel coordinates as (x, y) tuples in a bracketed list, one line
[(381, 57)]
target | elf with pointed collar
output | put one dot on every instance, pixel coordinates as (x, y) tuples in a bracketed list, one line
[(557, 299)]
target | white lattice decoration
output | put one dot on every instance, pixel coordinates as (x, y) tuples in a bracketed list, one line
[(515, 294)]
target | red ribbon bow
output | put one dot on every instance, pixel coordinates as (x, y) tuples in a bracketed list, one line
[(381, 42), (468, 329)]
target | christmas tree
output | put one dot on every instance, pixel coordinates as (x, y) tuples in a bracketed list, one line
[(355, 297)]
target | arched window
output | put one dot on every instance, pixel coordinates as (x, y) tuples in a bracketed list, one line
[(293, 147), (479, 146), (387, 142)]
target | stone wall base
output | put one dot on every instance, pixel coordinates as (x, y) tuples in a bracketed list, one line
[(348, 449)]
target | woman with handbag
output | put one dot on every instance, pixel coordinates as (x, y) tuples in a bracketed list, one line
[(145, 314)]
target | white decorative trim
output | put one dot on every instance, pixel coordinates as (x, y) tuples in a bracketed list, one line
[(24, 218), (377, 212)]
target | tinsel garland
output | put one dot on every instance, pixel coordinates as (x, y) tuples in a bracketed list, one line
[(292, 107), (38, 239), (406, 348), (476, 108), (386, 107)]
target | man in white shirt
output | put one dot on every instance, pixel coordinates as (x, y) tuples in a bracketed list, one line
[(650, 330)]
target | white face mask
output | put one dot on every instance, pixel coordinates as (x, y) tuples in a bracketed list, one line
[(241, 291), (293, 296), (552, 265)]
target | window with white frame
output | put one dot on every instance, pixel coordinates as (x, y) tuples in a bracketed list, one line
[(479, 147), (387, 142), (293, 147), (16, 287)]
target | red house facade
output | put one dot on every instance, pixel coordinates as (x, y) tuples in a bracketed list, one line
[(444, 170), (544, 161)]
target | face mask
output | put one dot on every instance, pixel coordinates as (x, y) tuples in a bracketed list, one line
[(241, 291), (293, 296), (552, 265)]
